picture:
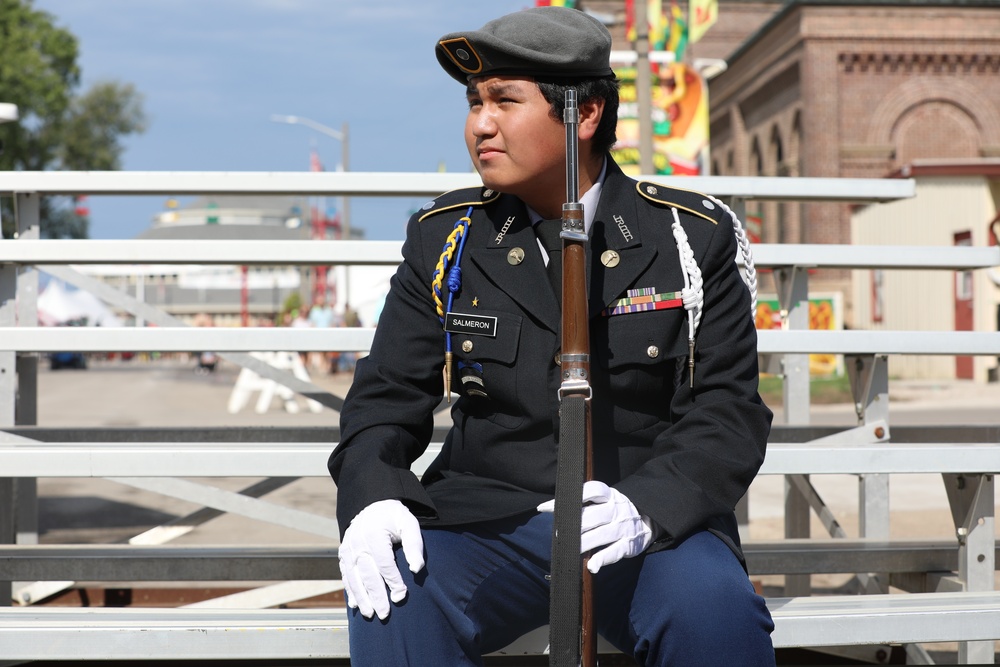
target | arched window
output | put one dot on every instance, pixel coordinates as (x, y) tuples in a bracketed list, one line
[(777, 153), (756, 158)]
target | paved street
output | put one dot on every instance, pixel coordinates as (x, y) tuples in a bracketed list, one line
[(171, 393)]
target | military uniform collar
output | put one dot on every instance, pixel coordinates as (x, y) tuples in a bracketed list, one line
[(590, 200), (616, 209)]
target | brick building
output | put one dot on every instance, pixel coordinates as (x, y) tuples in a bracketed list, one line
[(855, 89), (832, 88)]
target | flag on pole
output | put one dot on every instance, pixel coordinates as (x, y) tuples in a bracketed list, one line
[(678, 40), (703, 15), (80, 205), (658, 25), (656, 20), (314, 163)]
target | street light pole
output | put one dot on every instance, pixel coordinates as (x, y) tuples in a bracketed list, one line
[(643, 89), (343, 137), (8, 114)]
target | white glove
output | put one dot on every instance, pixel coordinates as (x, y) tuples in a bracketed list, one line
[(367, 561), (610, 520)]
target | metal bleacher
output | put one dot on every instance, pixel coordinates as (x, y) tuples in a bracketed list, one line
[(943, 589)]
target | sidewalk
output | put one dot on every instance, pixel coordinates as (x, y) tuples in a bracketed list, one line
[(170, 393), (920, 402), (918, 394)]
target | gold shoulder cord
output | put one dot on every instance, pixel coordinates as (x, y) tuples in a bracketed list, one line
[(453, 248)]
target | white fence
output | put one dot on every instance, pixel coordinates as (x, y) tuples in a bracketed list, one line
[(870, 451)]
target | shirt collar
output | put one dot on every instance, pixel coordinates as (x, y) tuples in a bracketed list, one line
[(589, 200)]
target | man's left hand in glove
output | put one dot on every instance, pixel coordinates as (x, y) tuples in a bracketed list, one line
[(609, 520)]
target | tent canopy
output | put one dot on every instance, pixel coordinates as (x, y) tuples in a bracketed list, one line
[(57, 306)]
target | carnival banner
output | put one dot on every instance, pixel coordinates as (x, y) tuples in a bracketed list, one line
[(703, 15), (826, 312), (679, 104)]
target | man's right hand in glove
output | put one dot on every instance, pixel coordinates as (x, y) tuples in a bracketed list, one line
[(367, 561)]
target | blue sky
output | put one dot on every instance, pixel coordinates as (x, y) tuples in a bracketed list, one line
[(212, 72)]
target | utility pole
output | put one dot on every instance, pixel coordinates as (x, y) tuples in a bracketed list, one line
[(343, 136), (643, 89), (345, 202)]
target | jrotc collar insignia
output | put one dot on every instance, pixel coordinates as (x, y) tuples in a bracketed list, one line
[(503, 230), (623, 228)]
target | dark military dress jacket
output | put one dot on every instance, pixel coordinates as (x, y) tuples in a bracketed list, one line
[(684, 455)]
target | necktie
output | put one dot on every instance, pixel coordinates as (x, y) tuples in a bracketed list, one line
[(547, 232)]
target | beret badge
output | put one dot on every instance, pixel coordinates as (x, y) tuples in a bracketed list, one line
[(463, 55)]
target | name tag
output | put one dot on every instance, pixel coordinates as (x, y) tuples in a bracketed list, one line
[(483, 325)]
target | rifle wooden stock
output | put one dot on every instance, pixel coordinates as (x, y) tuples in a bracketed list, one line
[(575, 369)]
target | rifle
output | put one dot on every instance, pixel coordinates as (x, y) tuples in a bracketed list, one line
[(571, 611)]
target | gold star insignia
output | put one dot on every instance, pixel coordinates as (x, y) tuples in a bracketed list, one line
[(475, 302)]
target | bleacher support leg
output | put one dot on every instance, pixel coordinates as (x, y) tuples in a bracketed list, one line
[(792, 284), (6, 531), (972, 499), (869, 376), (8, 394), (26, 365)]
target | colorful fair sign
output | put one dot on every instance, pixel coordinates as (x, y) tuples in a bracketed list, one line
[(679, 114), (826, 313), (703, 14)]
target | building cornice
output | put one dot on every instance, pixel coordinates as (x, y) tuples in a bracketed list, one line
[(987, 167), (794, 5), (949, 63)]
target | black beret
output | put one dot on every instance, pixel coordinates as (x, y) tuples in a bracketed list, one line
[(547, 41)]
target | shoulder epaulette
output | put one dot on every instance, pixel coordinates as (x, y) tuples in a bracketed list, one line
[(453, 199), (689, 201)]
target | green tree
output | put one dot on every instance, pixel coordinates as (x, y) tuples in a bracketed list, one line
[(59, 128), (292, 302), (96, 122)]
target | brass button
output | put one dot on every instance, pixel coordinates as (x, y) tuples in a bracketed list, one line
[(467, 346), (558, 359), (610, 258), (515, 256), (653, 352)]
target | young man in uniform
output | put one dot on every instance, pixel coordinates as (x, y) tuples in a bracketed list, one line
[(442, 569)]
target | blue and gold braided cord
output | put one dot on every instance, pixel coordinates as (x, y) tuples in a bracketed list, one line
[(453, 248)]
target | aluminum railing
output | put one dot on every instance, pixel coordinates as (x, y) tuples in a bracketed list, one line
[(867, 350)]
